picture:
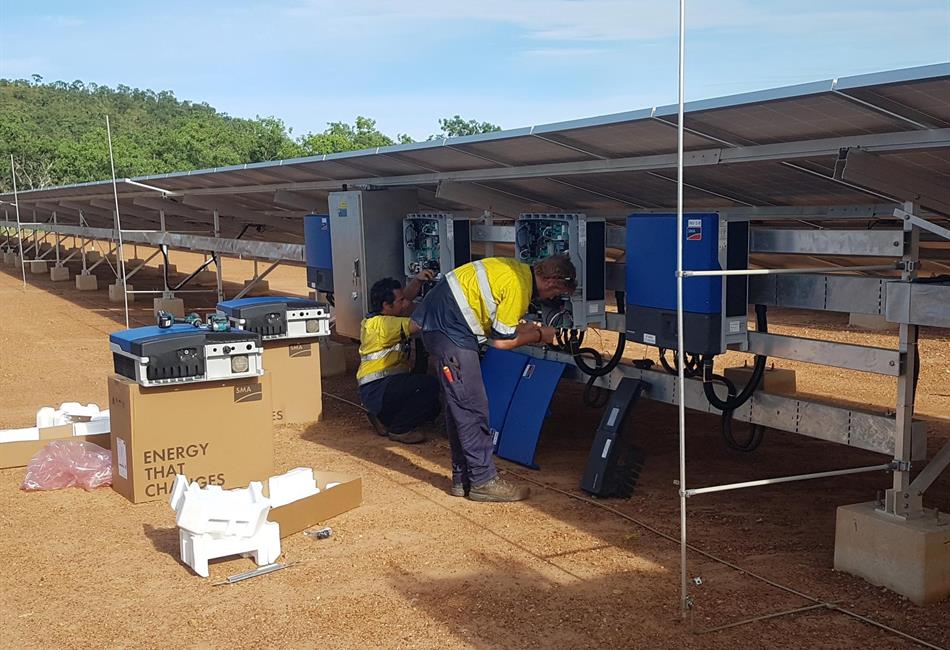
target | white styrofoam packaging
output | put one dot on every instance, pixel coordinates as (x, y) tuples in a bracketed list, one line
[(214, 523), (217, 512), (291, 486), (19, 435), (196, 550)]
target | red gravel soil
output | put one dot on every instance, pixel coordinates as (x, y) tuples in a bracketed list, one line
[(416, 568)]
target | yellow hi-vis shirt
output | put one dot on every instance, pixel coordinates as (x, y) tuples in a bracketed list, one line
[(382, 348), (493, 294)]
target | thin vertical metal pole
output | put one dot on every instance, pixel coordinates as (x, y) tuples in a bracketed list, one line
[(56, 239), (681, 354), (83, 244), (19, 231), (219, 276), (120, 253)]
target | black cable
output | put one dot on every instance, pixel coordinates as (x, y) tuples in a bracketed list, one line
[(758, 431), (758, 370), (755, 436), (594, 395), (692, 368), (734, 400), (600, 369)]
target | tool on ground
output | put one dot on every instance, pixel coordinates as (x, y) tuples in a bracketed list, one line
[(319, 533), (268, 568)]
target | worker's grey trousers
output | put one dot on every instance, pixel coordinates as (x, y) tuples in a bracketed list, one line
[(466, 409)]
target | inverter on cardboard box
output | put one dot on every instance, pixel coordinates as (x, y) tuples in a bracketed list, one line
[(217, 433)]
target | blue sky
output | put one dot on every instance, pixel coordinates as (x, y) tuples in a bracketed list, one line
[(407, 63)]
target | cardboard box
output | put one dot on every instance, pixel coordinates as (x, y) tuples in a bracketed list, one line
[(302, 514), (217, 433), (19, 453), (294, 368)]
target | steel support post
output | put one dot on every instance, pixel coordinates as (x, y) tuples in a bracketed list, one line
[(900, 500), (58, 242), (217, 258)]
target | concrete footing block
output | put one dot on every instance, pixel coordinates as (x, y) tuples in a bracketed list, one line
[(92, 256), (910, 557), (174, 306), (10, 258), (774, 380), (261, 288), (39, 267), (115, 292), (59, 274), (332, 359), (87, 282), (874, 322), (206, 278)]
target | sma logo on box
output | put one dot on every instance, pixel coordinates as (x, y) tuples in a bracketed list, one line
[(251, 393)]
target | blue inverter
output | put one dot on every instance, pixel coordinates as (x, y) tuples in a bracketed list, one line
[(714, 307), (182, 353), (278, 317), (318, 252)]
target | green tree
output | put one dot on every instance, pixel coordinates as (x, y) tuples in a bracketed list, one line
[(456, 126), (340, 136), (56, 133)]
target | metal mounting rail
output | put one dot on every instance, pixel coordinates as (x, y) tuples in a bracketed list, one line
[(271, 251)]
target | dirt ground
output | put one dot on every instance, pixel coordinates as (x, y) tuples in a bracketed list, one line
[(416, 568)]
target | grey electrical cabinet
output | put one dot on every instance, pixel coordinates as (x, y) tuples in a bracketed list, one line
[(367, 243)]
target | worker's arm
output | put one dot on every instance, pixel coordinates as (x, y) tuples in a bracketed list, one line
[(414, 328), (414, 286), (525, 334)]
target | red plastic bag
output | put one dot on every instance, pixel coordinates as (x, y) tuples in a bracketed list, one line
[(68, 463)]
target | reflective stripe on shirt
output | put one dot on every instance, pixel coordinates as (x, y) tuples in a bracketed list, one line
[(373, 356), (467, 312), (374, 376)]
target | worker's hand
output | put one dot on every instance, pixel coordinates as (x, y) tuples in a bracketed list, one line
[(547, 335), (425, 276)]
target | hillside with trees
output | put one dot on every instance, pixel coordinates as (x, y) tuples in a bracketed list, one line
[(57, 135)]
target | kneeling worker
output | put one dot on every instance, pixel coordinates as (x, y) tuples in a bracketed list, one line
[(394, 396), (483, 301)]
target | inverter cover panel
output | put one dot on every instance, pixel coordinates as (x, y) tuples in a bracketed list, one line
[(501, 372), (529, 406)]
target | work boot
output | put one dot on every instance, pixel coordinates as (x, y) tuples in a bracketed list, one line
[(377, 425), (460, 489), (408, 438), (498, 489)]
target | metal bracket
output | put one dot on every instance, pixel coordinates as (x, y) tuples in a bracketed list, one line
[(900, 465), (923, 224)]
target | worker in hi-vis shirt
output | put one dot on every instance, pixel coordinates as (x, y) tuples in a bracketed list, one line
[(483, 302), (396, 399)]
